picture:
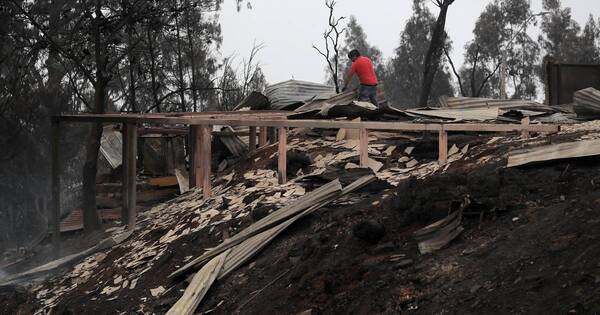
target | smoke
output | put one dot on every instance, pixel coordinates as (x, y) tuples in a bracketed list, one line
[(3, 275)]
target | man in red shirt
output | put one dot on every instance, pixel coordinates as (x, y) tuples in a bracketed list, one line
[(363, 68)]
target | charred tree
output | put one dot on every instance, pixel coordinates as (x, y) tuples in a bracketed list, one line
[(434, 54)]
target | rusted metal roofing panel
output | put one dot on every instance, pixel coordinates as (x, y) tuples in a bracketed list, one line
[(293, 93)]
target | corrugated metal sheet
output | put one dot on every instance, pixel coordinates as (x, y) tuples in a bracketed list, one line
[(476, 102), (293, 93), (254, 101), (74, 221), (343, 98), (587, 103), (111, 146)]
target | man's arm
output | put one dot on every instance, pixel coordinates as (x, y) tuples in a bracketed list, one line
[(348, 78)]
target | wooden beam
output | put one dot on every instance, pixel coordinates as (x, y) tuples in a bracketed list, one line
[(206, 160), (443, 148), (327, 124), (363, 137), (262, 140), (282, 160), (54, 214), (252, 139), (129, 211), (525, 124)]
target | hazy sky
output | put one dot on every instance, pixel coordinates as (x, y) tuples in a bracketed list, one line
[(288, 28)]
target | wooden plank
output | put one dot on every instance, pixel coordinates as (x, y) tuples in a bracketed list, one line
[(525, 132), (54, 214), (252, 139), (201, 282), (282, 156), (443, 148), (364, 147), (206, 160), (327, 124), (567, 150), (262, 140), (129, 172), (165, 181)]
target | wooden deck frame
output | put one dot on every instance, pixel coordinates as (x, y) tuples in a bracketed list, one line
[(201, 131)]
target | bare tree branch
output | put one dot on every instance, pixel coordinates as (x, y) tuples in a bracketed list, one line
[(487, 78), (332, 37), (462, 90)]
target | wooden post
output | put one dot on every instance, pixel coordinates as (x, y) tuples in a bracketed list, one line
[(443, 147), (169, 158), (272, 135), (282, 160), (54, 214), (262, 137), (129, 212), (524, 132), (206, 160), (363, 137), (252, 139), (192, 153), (198, 153)]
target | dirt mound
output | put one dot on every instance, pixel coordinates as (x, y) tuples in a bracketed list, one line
[(530, 246)]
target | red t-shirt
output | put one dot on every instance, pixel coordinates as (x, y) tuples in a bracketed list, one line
[(363, 67)]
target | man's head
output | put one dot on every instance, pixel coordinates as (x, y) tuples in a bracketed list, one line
[(353, 55)]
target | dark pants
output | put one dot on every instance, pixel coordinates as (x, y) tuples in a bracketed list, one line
[(368, 93)]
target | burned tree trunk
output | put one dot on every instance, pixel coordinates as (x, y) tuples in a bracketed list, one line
[(434, 54)]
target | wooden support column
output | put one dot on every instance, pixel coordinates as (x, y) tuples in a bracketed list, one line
[(443, 147), (525, 133), (196, 158), (272, 135), (282, 160), (206, 160), (54, 214), (363, 137), (252, 139), (129, 211), (170, 156), (262, 140)]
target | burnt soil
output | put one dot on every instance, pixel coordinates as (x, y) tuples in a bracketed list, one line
[(530, 246)]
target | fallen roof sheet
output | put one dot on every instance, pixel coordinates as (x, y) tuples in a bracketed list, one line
[(343, 98), (293, 93), (478, 102), (560, 151), (111, 146), (234, 144), (587, 103), (479, 114), (254, 101)]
